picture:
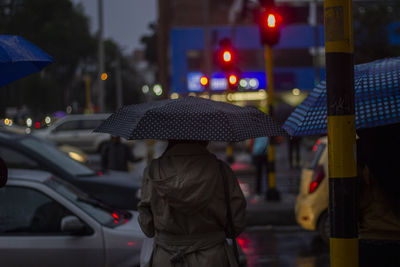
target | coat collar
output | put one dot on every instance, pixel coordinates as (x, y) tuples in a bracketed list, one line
[(186, 149)]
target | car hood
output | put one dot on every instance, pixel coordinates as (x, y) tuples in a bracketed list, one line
[(40, 132), (116, 178)]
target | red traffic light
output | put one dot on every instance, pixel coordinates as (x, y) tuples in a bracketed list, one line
[(269, 24), (232, 79), (271, 21), (204, 80), (227, 56)]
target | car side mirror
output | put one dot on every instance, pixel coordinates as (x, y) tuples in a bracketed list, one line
[(72, 225), (3, 173)]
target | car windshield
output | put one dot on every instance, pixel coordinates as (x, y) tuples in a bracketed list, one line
[(99, 211), (55, 156), (315, 155)]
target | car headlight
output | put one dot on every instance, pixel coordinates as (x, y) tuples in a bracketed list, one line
[(76, 156)]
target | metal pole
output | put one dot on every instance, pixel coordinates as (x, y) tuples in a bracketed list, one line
[(341, 133), (162, 42), (313, 20), (101, 83), (207, 45), (88, 94), (272, 193), (118, 81)]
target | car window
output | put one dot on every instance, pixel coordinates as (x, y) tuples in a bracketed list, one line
[(90, 124), (56, 157), (315, 155), (15, 159), (67, 126), (26, 211), (97, 210)]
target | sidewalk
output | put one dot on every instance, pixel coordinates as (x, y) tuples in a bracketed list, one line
[(261, 212), (271, 213)]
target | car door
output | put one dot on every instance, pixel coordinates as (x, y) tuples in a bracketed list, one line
[(30, 232), (66, 133), (88, 140)]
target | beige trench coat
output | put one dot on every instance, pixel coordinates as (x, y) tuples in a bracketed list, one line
[(183, 206)]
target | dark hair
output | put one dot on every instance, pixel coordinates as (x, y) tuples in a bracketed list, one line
[(171, 143)]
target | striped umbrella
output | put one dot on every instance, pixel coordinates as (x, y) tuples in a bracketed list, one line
[(377, 100)]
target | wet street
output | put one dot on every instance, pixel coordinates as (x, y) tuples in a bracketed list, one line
[(264, 246), (279, 246)]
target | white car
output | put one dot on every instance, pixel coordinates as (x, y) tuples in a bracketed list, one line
[(77, 130), (45, 221)]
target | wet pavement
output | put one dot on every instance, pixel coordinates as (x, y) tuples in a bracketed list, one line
[(285, 246)]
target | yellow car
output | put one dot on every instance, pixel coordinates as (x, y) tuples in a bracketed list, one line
[(313, 199)]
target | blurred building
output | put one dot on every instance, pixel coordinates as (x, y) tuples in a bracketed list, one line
[(190, 31)]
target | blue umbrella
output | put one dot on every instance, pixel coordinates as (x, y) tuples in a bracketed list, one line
[(19, 58), (377, 100)]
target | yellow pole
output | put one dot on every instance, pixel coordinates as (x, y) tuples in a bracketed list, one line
[(272, 193), (341, 133)]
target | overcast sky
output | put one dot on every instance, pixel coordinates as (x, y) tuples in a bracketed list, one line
[(125, 21)]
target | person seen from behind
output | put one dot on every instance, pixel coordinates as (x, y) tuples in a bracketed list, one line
[(259, 150), (184, 207), (294, 151), (115, 155), (379, 201)]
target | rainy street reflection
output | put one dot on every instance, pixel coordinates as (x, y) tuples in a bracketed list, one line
[(283, 246)]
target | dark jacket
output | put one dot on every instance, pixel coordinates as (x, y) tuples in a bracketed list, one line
[(115, 156)]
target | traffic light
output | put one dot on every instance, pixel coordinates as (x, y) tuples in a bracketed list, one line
[(226, 55), (233, 81), (226, 59), (204, 81), (269, 23)]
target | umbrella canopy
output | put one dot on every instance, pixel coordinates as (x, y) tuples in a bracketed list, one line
[(377, 100), (19, 58), (190, 118)]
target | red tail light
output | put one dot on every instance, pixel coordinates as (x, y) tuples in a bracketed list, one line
[(318, 176)]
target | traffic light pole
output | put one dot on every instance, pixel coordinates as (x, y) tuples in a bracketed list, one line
[(341, 133), (272, 193), (101, 83), (88, 94)]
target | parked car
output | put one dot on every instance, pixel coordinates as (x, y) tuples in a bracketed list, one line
[(73, 152), (45, 221), (119, 189), (77, 130), (313, 199)]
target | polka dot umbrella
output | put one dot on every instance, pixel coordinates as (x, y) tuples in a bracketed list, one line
[(377, 100), (190, 118)]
